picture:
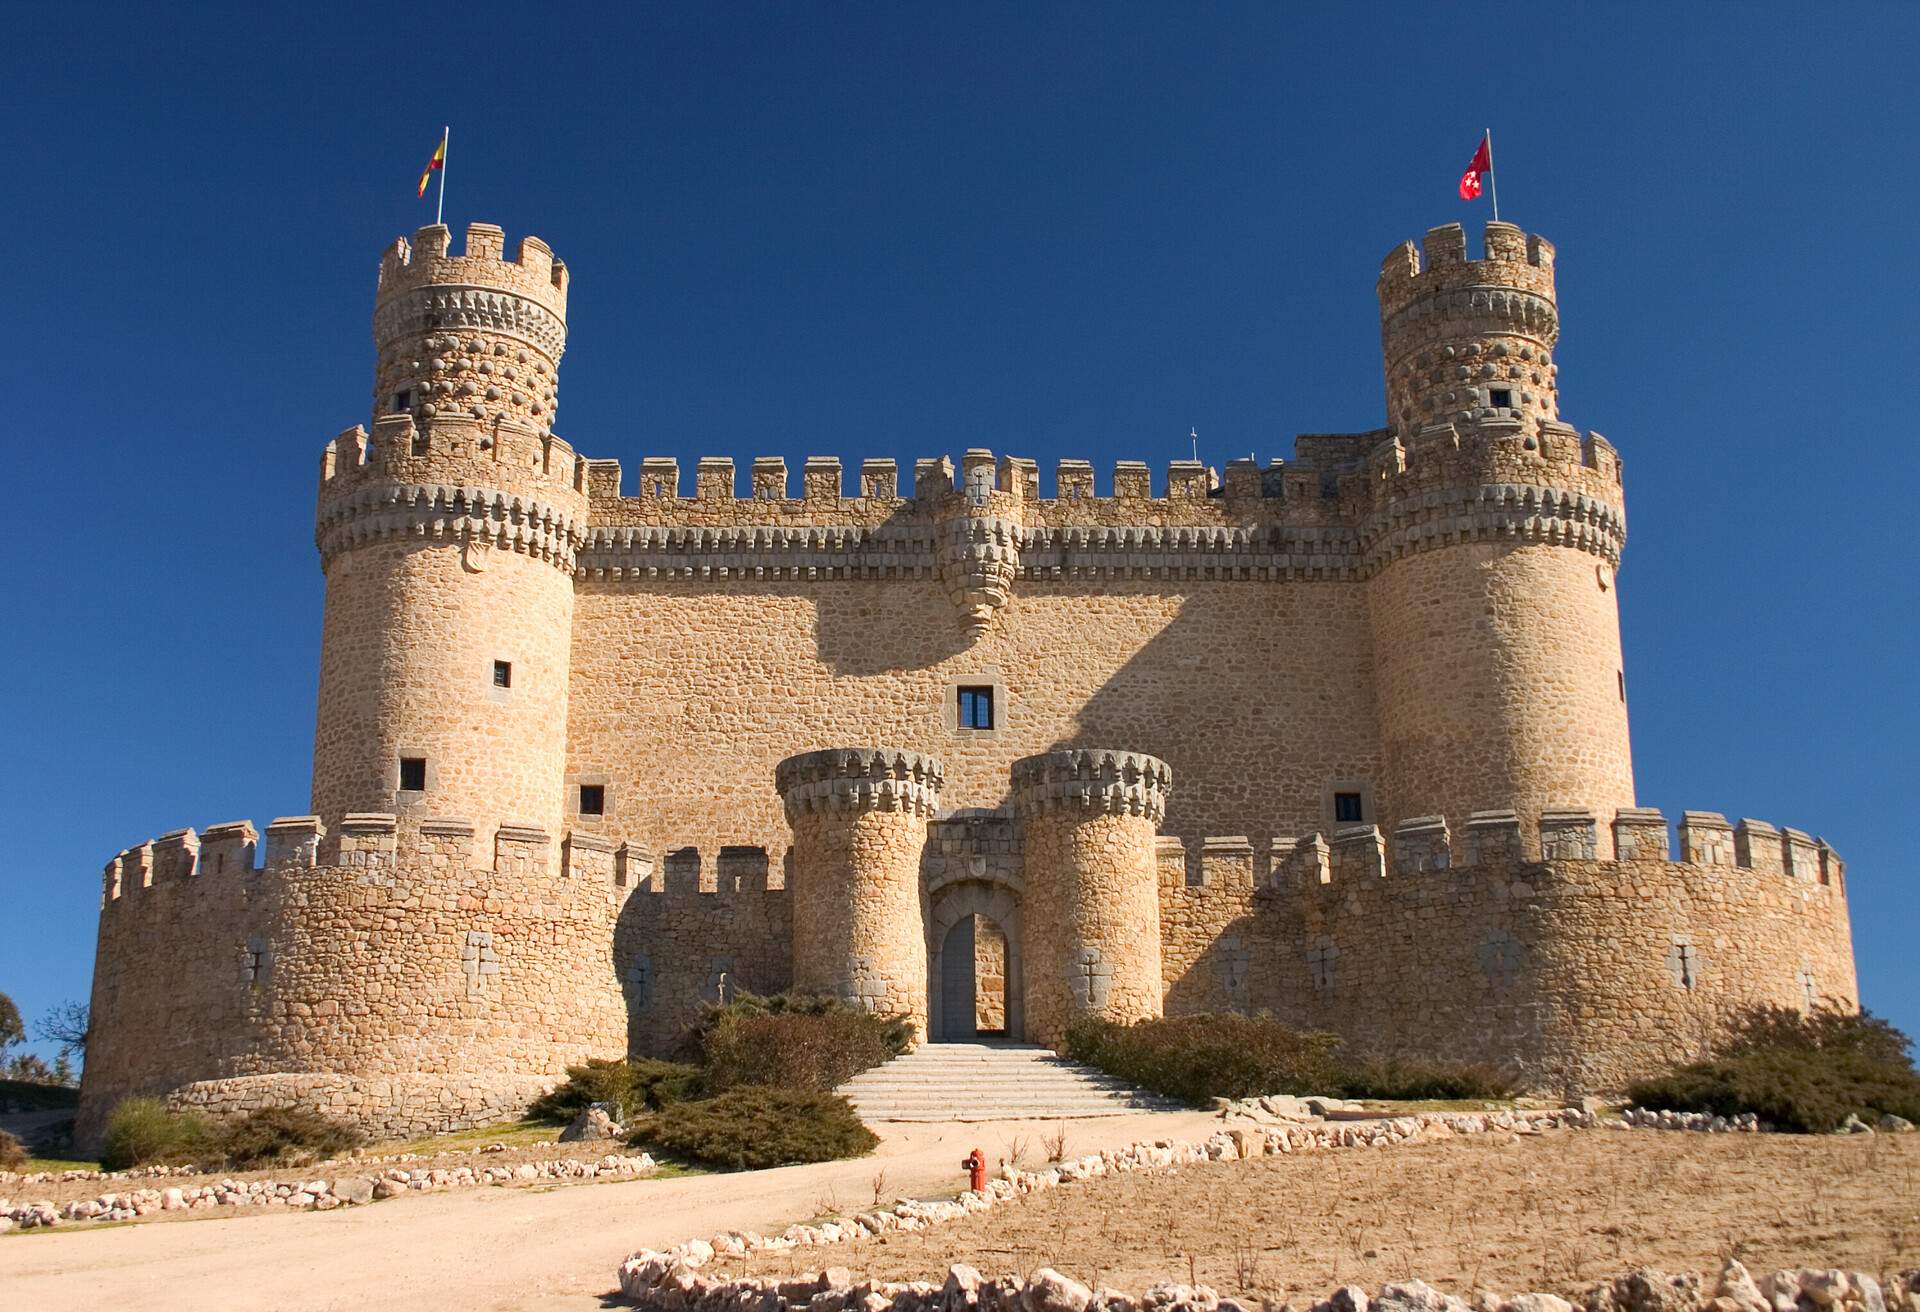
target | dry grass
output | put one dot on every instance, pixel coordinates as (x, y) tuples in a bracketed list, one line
[(1553, 1212)]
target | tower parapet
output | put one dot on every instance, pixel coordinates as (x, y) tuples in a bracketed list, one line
[(1465, 338), (475, 334)]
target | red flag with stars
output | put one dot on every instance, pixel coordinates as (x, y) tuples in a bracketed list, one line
[(1482, 162)]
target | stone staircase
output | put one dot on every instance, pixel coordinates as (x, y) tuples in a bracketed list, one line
[(991, 1082)]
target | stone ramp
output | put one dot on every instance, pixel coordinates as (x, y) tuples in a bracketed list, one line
[(991, 1082)]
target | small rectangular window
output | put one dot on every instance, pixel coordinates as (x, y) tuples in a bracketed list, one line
[(1500, 398), (403, 399), (413, 774), (1347, 809), (593, 799), (976, 708), (503, 674)]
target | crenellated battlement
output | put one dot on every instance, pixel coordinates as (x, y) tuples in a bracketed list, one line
[(368, 842), (1092, 780), (1513, 258), (846, 780), (1495, 839), (428, 260), (1348, 504)]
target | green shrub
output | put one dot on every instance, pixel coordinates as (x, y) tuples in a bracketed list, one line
[(1199, 1058), (1402, 1079), (793, 1041), (1797, 1072), (284, 1136), (633, 1086), (145, 1132), (13, 1153), (754, 1127)]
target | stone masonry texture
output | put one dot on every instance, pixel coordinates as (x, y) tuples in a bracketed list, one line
[(1343, 738)]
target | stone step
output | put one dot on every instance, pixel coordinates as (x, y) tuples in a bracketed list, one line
[(991, 1081)]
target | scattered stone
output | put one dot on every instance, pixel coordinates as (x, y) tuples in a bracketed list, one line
[(1891, 1124), (353, 1190), (595, 1121), (1854, 1125), (1049, 1291)]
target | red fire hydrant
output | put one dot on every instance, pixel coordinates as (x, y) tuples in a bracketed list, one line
[(975, 1166)]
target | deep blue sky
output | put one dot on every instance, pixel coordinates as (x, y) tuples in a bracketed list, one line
[(905, 230)]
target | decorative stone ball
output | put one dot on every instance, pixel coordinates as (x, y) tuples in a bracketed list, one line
[(475, 345), (493, 394), (429, 409)]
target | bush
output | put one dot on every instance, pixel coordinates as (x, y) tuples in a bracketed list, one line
[(1199, 1058), (794, 1042), (754, 1127), (1797, 1072), (1196, 1058), (145, 1132), (634, 1087), (13, 1153), (1399, 1079), (284, 1136)]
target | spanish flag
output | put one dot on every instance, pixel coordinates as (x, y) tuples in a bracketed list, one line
[(438, 162)]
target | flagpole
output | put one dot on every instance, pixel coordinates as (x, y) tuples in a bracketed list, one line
[(1493, 179), (440, 206)]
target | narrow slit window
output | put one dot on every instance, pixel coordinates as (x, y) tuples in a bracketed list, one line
[(976, 708), (593, 799), (1348, 809), (503, 674), (413, 774)]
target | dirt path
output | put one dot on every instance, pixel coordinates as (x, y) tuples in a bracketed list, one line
[(548, 1249)]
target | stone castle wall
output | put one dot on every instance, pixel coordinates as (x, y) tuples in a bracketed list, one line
[(1419, 621), (409, 989), (1572, 974)]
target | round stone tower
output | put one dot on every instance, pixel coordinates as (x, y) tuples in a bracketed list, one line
[(1088, 819), (859, 817), (1493, 536), (448, 537)]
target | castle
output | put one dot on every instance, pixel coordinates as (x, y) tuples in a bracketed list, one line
[(1343, 739)]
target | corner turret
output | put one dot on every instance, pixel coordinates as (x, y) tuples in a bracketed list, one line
[(1492, 542), (449, 535)]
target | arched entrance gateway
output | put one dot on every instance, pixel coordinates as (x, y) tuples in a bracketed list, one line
[(974, 959)]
